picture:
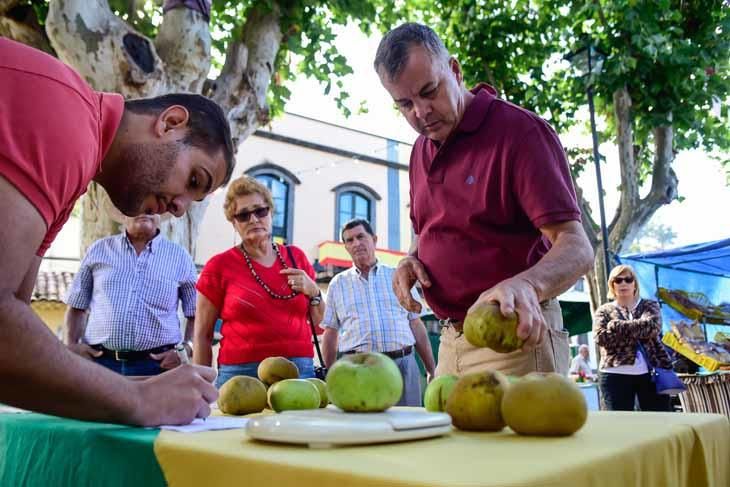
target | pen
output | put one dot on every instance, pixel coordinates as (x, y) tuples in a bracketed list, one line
[(182, 354)]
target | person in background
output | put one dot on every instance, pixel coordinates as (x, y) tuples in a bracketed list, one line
[(363, 314), (151, 156), (264, 292), (580, 365), (493, 208), (129, 286), (619, 327)]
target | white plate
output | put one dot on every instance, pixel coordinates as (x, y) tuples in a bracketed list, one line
[(320, 428)]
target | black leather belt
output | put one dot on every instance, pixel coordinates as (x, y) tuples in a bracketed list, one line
[(128, 355), (403, 352)]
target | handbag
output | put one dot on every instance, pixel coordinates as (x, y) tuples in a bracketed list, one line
[(320, 372), (665, 380)]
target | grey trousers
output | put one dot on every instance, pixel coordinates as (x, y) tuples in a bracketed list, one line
[(411, 380)]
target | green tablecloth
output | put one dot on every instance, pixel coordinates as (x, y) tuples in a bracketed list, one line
[(82, 454)]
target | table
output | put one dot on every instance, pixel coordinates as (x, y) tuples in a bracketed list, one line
[(613, 449), (591, 393)]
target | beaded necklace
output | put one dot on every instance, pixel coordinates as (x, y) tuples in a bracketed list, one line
[(258, 278)]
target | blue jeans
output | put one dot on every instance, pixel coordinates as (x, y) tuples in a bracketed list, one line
[(620, 391), (131, 367), (225, 372)]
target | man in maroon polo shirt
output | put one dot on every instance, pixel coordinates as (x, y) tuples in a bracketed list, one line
[(152, 155), (492, 205)]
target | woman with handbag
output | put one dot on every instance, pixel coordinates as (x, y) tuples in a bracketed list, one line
[(263, 292), (628, 332)]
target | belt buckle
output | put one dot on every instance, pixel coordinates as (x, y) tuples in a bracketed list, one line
[(447, 322), (451, 323), (117, 357)]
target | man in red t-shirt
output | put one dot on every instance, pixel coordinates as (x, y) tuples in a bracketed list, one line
[(151, 155), (492, 206)]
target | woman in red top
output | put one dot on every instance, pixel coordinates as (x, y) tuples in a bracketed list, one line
[(263, 292)]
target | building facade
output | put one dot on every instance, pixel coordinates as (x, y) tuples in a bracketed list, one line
[(320, 175)]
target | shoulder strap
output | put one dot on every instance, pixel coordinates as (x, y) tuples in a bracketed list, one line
[(309, 315), (643, 352)]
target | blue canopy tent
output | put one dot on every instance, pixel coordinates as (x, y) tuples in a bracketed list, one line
[(702, 268)]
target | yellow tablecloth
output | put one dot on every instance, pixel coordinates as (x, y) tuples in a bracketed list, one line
[(613, 449)]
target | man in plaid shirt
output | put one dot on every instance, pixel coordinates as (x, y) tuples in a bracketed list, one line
[(130, 285), (363, 314)]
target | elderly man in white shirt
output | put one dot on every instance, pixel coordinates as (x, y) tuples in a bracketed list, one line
[(363, 314), (580, 363)]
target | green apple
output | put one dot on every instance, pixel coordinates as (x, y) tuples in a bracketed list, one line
[(364, 382), (438, 391), (290, 394), (475, 402), (544, 404), (485, 326), (322, 388)]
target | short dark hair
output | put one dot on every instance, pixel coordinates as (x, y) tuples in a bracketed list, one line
[(354, 223), (394, 47), (208, 127)]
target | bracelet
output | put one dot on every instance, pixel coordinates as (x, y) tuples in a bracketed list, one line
[(316, 300)]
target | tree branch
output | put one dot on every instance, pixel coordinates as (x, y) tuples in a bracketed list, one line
[(106, 51), (663, 181), (634, 212), (7, 5), (183, 43), (244, 81), (19, 23)]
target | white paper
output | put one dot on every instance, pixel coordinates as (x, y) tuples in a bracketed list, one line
[(4, 408), (212, 423)]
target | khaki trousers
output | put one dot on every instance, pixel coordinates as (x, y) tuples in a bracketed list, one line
[(457, 356)]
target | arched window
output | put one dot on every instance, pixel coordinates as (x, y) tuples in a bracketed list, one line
[(281, 184), (354, 200), (354, 205), (280, 192)]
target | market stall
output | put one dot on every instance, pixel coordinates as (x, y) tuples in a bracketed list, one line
[(692, 285)]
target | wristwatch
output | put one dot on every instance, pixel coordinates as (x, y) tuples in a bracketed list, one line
[(316, 300), (188, 344)]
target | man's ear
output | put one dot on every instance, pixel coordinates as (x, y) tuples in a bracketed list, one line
[(171, 120), (455, 68), (375, 240)]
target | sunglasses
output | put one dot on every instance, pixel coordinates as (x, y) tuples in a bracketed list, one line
[(245, 215), (627, 280)]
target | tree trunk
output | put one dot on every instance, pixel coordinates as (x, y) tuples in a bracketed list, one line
[(112, 56), (633, 212)]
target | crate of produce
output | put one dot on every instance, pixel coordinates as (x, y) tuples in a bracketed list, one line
[(708, 363)]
